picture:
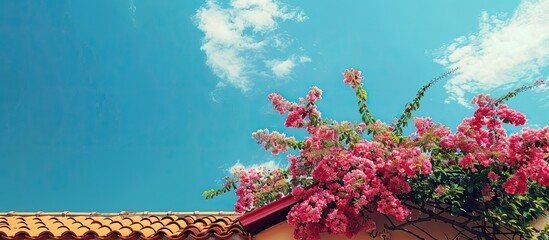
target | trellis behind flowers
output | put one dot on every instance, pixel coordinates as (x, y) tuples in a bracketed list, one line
[(484, 182)]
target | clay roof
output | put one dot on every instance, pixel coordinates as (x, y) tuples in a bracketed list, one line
[(124, 225)]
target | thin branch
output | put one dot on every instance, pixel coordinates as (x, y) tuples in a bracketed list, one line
[(414, 105), (516, 91), (421, 229), (462, 226), (389, 219), (460, 233), (411, 233), (395, 227)]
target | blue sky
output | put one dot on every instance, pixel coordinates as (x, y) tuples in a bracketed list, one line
[(141, 105)]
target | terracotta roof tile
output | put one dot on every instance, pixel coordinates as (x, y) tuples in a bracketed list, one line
[(124, 225)]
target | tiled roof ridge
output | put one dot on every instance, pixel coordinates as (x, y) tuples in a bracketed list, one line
[(123, 225), (122, 213)]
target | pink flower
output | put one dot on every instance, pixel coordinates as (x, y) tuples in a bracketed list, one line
[(487, 193), (422, 124), (296, 118), (467, 162), (314, 94), (352, 77), (493, 176), (352, 174), (516, 184), (440, 191), (511, 116)]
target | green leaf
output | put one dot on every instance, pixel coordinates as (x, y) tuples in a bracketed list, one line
[(470, 188)]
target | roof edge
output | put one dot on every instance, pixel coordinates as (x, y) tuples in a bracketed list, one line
[(123, 213), (268, 215)]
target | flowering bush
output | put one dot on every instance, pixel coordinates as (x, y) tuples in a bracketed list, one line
[(345, 170)]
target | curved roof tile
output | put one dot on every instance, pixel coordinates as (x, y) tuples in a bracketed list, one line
[(124, 225)]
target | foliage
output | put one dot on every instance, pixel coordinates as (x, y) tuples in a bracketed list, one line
[(497, 182)]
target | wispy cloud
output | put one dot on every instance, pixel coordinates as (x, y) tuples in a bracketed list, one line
[(283, 68), (269, 165), (238, 34), (503, 54), (132, 8), (544, 101)]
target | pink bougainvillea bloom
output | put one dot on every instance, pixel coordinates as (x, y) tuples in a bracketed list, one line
[(439, 191), (352, 173), (352, 77), (487, 193), (493, 176)]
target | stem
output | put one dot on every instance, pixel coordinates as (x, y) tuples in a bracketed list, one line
[(515, 92), (480, 228), (421, 229), (414, 105)]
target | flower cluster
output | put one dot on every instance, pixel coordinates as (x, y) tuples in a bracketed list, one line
[(341, 176), (297, 113), (352, 77), (485, 144), (275, 142), (258, 186)]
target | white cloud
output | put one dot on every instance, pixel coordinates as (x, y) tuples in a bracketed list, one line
[(237, 34), (283, 68), (304, 59), (269, 165), (132, 8), (544, 101), (503, 54)]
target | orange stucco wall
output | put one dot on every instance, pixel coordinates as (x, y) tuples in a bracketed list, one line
[(439, 230), (284, 231), (541, 221)]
